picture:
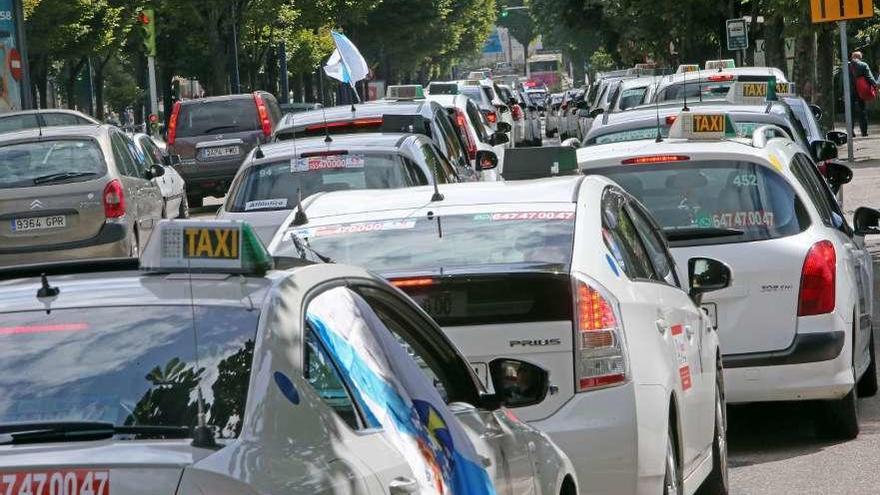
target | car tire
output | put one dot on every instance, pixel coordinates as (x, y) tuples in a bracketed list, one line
[(717, 483), (195, 201), (183, 211), (672, 482), (868, 382)]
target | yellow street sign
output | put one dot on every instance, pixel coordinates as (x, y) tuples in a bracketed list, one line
[(841, 10)]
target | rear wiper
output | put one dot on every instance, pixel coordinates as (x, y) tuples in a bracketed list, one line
[(61, 176), (77, 431), (688, 233)]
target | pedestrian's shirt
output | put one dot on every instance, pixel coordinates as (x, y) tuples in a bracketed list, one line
[(861, 69)]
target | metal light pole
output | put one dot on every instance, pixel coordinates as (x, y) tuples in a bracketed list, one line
[(847, 97), (27, 99), (282, 67), (236, 81)]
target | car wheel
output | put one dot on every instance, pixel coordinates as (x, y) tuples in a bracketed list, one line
[(672, 481), (184, 208), (868, 382), (195, 201), (717, 482)]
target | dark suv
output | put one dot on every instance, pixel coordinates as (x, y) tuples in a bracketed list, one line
[(213, 136)]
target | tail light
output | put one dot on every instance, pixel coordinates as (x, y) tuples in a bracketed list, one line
[(516, 112), (648, 160), (113, 199), (600, 357), (818, 278), (720, 77), (670, 119), (172, 123), (263, 113), (367, 122), (492, 117), (461, 120)]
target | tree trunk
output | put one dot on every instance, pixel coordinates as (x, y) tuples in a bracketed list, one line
[(99, 92), (805, 57), (308, 86), (825, 89), (218, 56), (140, 75), (774, 45)]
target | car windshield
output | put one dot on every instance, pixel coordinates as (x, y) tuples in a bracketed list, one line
[(445, 241), (217, 117), (92, 364), (719, 196), (278, 185), (18, 122), (31, 163)]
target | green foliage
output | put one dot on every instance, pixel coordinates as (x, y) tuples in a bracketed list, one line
[(601, 60)]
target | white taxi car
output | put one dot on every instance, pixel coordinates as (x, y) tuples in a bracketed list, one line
[(572, 274), (208, 371), (795, 324)]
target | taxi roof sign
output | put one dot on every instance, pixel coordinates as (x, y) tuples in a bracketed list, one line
[(727, 63), (405, 92), (205, 246), (758, 92), (702, 126), (684, 68)]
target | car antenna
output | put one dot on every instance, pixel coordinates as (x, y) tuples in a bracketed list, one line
[(685, 108), (327, 138), (258, 153), (47, 292), (300, 217), (437, 196), (657, 108), (203, 435)]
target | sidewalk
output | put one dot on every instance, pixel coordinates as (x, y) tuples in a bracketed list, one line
[(865, 149)]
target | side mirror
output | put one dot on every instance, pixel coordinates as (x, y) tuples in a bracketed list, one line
[(707, 275), (823, 150), (486, 160), (155, 171), (498, 138), (837, 137), (518, 383), (502, 126), (837, 174), (817, 111), (597, 112), (866, 221)]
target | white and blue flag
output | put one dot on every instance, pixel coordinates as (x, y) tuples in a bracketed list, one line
[(346, 64)]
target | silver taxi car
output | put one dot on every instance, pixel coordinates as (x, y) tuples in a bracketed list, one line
[(227, 375)]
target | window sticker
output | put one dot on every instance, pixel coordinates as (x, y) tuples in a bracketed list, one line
[(265, 203), (737, 219), (525, 215), (351, 228), (328, 162), (684, 369), (746, 180)]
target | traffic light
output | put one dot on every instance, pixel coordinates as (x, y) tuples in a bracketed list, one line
[(147, 20)]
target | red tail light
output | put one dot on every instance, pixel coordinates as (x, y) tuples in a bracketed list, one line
[(370, 122), (412, 282), (818, 278), (172, 123), (516, 112), (647, 160), (670, 119), (599, 349), (461, 120), (492, 117), (114, 199), (263, 113), (720, 77)]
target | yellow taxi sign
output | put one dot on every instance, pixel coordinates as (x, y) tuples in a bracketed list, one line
[(727, 63), (759, 92), (685, 68), (706, 126), (205, 246), (840, 10)]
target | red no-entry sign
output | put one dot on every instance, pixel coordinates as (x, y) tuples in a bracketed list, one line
[(15, 64)]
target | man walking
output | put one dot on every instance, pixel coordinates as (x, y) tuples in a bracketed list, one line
[(863, 89)]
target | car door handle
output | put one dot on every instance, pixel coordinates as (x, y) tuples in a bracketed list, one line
[(403, 485)]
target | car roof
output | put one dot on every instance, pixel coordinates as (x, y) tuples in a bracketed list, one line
[(378, 141), (449, 101), (61, 131), (702, 75), (50, 110), (342, 112), (549, 190), (212, 99)]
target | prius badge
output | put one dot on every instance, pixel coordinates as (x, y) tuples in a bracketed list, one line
[(37, 204)]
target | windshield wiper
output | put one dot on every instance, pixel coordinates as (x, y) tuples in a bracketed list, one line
[(78, 431), (688, 233), (61, 176)]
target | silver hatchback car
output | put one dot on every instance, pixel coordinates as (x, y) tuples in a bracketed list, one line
[(73, 192)]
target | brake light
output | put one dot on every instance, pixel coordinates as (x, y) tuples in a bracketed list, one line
[(412, 282), (492, 117), (59, 327), (346, 123), (263, 113), (113, 199), (461, 120), (670, 119), (720, 77), (599, 345), (818, 278), (647, 160), (516, 112), (172, 123)]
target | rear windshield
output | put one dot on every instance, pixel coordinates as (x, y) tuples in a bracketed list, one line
[(50, 162), (714, 201), (217, 117), (745, 129), (472, 92), (277, 185), (90, 364), (695, 91), (18, 122), (447, 242), (632, 97)]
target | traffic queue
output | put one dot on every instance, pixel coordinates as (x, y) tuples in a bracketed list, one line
[(409, 296)]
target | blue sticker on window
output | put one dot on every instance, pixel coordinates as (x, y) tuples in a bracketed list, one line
[(286, 387), (612, 264)]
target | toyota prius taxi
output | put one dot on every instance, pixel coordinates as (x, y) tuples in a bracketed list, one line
[(795, 323), (571, 274), (207, 371)]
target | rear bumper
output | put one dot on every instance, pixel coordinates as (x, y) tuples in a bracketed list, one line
[(110, 242), (815, 366), (208, 176)]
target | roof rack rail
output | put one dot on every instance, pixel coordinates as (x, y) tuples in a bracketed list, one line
[(69, 267)]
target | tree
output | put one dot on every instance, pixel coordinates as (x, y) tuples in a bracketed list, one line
[(518, 22)]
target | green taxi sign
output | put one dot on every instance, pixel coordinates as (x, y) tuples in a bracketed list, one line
[(199, 246), (405, 92)]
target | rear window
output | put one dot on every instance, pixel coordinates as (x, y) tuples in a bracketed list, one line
[(632, 97), (442, 242), (50, 162), (745, 129), (217, 117), (275, 185), (714, 201), (18, 122), (443, 89), (472, 92), (695, 91), (88, 364)]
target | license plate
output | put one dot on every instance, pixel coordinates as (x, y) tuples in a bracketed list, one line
[(220, 151), (442, 304), (39, 223), (56, 482), (711, 310)]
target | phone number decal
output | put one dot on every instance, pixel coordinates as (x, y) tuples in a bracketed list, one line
[(60, 482), (526, 215), (757, 218)]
